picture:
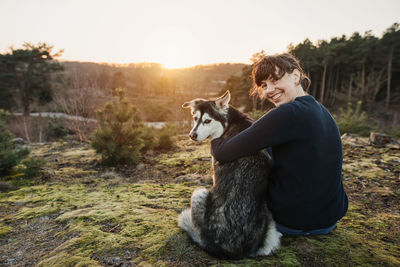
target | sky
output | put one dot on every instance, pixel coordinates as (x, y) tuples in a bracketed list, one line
[(183, 33)]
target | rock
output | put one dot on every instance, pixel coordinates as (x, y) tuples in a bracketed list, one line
[(109, 175), (115, 261), (140, 166), (379, 139), (354, 140), (11, 262), (19, 141)]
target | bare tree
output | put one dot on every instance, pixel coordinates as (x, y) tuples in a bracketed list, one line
[(80, 96)]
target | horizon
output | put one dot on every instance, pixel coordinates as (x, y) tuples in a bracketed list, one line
[(140, 63), (183, 34)]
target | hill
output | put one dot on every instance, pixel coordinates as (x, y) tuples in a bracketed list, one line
[(80, 214)]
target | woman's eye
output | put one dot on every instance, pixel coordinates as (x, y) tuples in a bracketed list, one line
[(207, 121)]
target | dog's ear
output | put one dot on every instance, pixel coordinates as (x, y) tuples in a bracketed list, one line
[(223, 101), (193, 103)]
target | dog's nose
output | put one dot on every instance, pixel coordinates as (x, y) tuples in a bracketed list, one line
[(193, 136)]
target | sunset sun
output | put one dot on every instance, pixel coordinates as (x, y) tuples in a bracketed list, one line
[(175, 54)]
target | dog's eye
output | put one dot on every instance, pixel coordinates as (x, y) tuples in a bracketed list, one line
[(207, 121), (195, 118)]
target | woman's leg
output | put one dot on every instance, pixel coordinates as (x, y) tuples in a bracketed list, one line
[(294, 232)]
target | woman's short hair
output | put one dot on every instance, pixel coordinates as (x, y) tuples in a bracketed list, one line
[(274, 67)]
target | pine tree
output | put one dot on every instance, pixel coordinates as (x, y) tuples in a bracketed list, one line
[(118, 139), (26, 73), (10, 155)]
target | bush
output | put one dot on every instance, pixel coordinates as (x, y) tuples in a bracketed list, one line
[(396, 133), (158, 139), (118, 139), (149, 137), (354, 121), (33, 166), (10, 154), (165, 137), (56, 129)]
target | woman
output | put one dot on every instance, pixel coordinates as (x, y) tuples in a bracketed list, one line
[(305, 190)]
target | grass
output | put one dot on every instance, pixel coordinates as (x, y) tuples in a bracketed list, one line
[(84, 215)]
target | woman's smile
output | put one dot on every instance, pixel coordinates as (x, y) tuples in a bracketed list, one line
[(276, 96)]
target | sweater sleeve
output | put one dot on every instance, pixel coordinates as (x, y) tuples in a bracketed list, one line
[(274, 128)]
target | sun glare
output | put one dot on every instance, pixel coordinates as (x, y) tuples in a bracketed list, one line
[(173, 60), (173, 56), (174, 64)]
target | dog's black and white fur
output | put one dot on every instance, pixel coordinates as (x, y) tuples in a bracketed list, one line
[(230, 220)]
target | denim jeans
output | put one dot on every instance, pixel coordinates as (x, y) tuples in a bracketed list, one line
[(293, 232)]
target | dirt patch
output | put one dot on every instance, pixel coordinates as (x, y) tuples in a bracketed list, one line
[(31, 241)]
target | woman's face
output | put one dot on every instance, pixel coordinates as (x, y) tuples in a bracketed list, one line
[(284, 90)]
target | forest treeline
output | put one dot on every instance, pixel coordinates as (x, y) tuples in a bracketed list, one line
[(360, 67), (343, 69)]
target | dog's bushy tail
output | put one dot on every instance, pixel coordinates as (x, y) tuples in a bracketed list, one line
[(185, 222)]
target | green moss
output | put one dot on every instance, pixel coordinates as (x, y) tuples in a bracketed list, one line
[(4, 230), (65, 259), (101, 222)]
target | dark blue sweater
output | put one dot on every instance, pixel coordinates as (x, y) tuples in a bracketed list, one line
[(305, 190)]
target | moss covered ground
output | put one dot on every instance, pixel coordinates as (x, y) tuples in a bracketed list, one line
[(80, 214)]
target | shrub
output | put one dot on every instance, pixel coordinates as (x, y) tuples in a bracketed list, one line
[(118, 139), (396, 133), (33, 166), (158, 139), (56, 129), (149, 137), (165, 137), (10, 154), (354, 121)]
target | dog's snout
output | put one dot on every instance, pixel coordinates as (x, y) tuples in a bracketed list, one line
[(193, 135)]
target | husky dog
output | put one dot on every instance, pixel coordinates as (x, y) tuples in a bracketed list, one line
[(231, 220)]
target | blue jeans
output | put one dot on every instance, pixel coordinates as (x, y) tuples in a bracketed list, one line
[(293, 232)]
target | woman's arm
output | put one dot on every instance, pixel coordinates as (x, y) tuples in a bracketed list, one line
[(275, 127)]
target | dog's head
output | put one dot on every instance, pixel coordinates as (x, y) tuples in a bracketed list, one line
[(209, 117)]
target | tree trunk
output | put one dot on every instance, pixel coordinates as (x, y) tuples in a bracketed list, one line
[(335, 87), (350, 88), (379, 81), (321, 99), (395, 119), (328, 86), (314, 87), (337, 79), (27, 124), (389, 77), (27, 107), (40, 124), (362, 82)]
